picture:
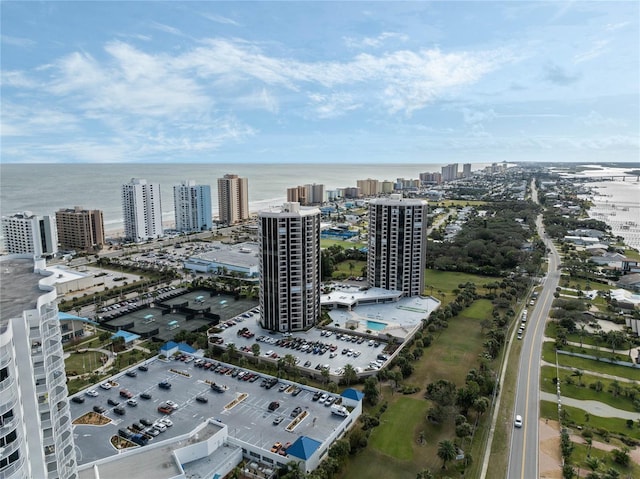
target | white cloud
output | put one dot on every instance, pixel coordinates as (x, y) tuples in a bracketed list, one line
[(598, 48), (17, 79), (220, 19), (373, 42), (167, 29), (403, 80), (332, 105), (17, 41), (597, 120)]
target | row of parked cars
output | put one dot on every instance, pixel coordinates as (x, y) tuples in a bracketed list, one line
[(144, 430)]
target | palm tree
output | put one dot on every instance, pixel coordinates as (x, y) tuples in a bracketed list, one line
[(446, 451), (349, 374), (593, 463)]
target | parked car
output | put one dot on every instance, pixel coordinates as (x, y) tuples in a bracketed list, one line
[(273, 405), (145, 396), (125, 393), (164, 409), (131, 373), (164, 384), (132, 402), (146, 422), (106, 386), (77, 399), (112, 402), (143, 368), (278, 420), (202, 399), (166, 421), (99, 409), (92, 393), (119, 410), (276, 447), (124, 433), (171, 404)]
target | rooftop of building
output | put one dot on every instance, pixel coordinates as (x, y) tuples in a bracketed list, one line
[(18, 286), (241, 254)]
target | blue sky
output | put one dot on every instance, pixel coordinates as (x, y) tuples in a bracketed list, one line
[(357, 82)]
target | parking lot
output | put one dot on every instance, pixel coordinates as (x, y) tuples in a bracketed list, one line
[(244, 405), (312, 350)]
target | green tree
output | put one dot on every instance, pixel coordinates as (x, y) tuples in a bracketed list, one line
[(349, 375), (446, 452), (371, 393)]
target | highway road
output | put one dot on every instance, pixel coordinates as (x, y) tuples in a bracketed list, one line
[(523, 454)]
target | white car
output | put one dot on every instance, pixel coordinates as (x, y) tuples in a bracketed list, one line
[(106, 386), (166, 421), (132, 402), (518, 421), (171, 404), (160, 427), (92, 393)]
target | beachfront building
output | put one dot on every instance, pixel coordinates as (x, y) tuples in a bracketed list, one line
[(369, 187), (289, 267), (192, 205), (142, 210), (233, 199), (310, 194), (450, 172), (26, 233), (80, 229), (466, 170), (397, 244), (36, 434)]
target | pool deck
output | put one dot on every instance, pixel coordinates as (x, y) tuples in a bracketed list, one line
[(401, 317)]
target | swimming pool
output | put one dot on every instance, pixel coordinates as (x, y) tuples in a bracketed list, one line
[(376, 325)]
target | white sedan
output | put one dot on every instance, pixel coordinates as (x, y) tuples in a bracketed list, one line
[(106, 386), (92, 393)]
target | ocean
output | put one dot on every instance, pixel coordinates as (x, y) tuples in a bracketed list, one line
[(45, 188), (615, 202)]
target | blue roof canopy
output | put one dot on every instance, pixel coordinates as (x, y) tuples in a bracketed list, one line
[(303, 448), (70, 317), (352, 394), (128, 337)]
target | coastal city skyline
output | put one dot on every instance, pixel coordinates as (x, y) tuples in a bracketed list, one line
[(363, 82)]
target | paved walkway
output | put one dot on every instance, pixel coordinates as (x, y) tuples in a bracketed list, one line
[(592, 407)]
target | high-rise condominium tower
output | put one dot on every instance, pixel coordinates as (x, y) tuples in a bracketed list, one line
[(233, 199), (289, 267), (192, 207), (36, 434), (26, 233), (80, 229), (397, 244), (450, 172), (310, 194), (142, 210)]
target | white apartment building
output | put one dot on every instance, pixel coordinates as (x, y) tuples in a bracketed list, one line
[(397, 244), (450, 172), (192, 205), (36, 435), (233, 199), (26, 233), (289, 267), (142, 210)]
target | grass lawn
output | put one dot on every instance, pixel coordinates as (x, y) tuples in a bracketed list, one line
[(549, 355), (344, 269), (632, 254), (587, 338), (448, 203), (584, 392), (577, 417), (579, 459), (438, 282), (393, 451), (325, 243), (390, 437), (82, 363)]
